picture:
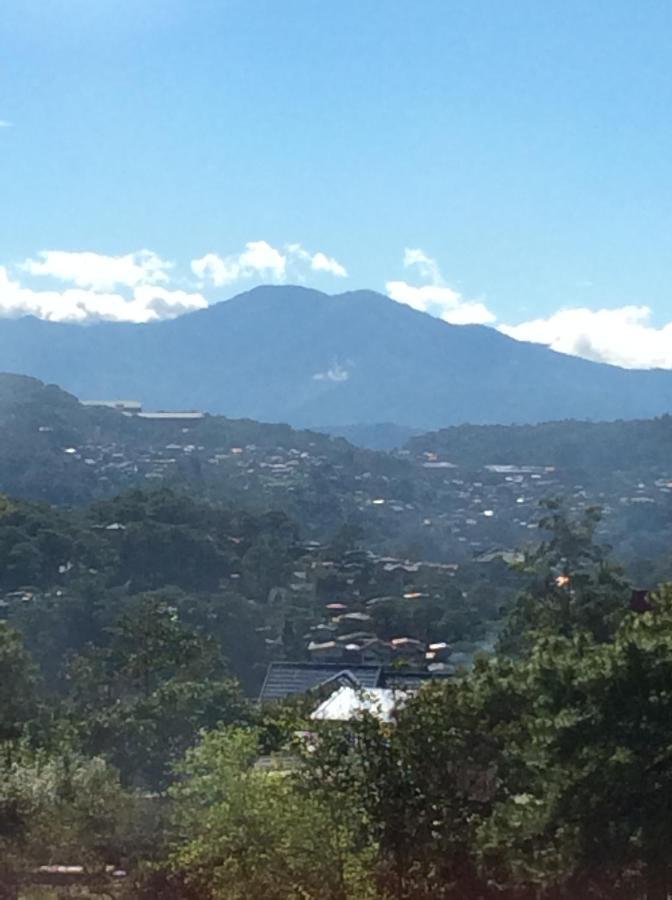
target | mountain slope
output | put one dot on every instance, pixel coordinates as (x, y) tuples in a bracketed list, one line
[(300, 356)]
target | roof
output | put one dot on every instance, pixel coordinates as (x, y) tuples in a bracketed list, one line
[(171, 415), (321, 645), (114, 404), (286, 678), (346, 703), (409, 680), (355, 636), (406, 642)]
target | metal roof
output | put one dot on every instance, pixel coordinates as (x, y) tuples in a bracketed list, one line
[(347, 703), (286, 678), (409, 680)]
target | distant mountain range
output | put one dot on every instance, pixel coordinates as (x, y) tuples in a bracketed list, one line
[(290, 354)]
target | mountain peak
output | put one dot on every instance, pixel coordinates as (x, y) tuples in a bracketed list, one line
[(292, 353)]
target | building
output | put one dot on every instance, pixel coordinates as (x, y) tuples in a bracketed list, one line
[(127, 406), (287, 679), (171, 416), (347, 703), (325, 650)]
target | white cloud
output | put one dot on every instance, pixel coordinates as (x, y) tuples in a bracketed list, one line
[(320, 262), (623, 336), (98, 271), (215, 269), (146, 303), (468, 313), (436, 298), (427, 266), (141, 286), (335, 373), (260, 259)]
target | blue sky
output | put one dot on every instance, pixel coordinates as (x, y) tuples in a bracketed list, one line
[(515, 154)]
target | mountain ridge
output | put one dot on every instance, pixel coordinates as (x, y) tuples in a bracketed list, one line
[(294, 354)]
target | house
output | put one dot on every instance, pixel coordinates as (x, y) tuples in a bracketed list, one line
[(286, 679), (323, 632), (325, 650), (346, 703), (353, 618), (375, 651), (189, 415), (438, 652), (378, 601), (127, 406), (408, 649), (355, 637)]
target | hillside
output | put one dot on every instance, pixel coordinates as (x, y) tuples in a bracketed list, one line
[(57, 450), (296, 355), (596, 446), (447, 496)]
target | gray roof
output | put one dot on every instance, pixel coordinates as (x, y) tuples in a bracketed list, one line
[(286, 678), (407, 680)]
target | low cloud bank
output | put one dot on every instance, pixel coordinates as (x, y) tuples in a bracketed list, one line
[(67, 286), (623, 336), (143, 303)]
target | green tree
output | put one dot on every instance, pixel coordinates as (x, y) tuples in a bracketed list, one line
[(250, 832), (418, 787), (591, 810), (142, 700), (574, 586), (56, 808), (18, 685)]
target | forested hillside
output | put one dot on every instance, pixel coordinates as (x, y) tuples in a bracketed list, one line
[(139, 613), (130, 748), (66, 579), (572, 445), (449, 496)]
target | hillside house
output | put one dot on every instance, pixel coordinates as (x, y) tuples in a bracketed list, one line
[(408, 649), (325, 651), (286, 679)]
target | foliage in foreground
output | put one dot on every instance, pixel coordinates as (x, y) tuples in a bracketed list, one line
[(544, 773)]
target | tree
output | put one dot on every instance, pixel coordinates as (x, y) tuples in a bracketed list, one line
[(574, 586), (151, 644), (418, 787), (249, 832), (142, 701), (18, 697), (58, 807), (591, 809)]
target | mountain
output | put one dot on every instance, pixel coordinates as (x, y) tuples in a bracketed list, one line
[(299, 356)]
